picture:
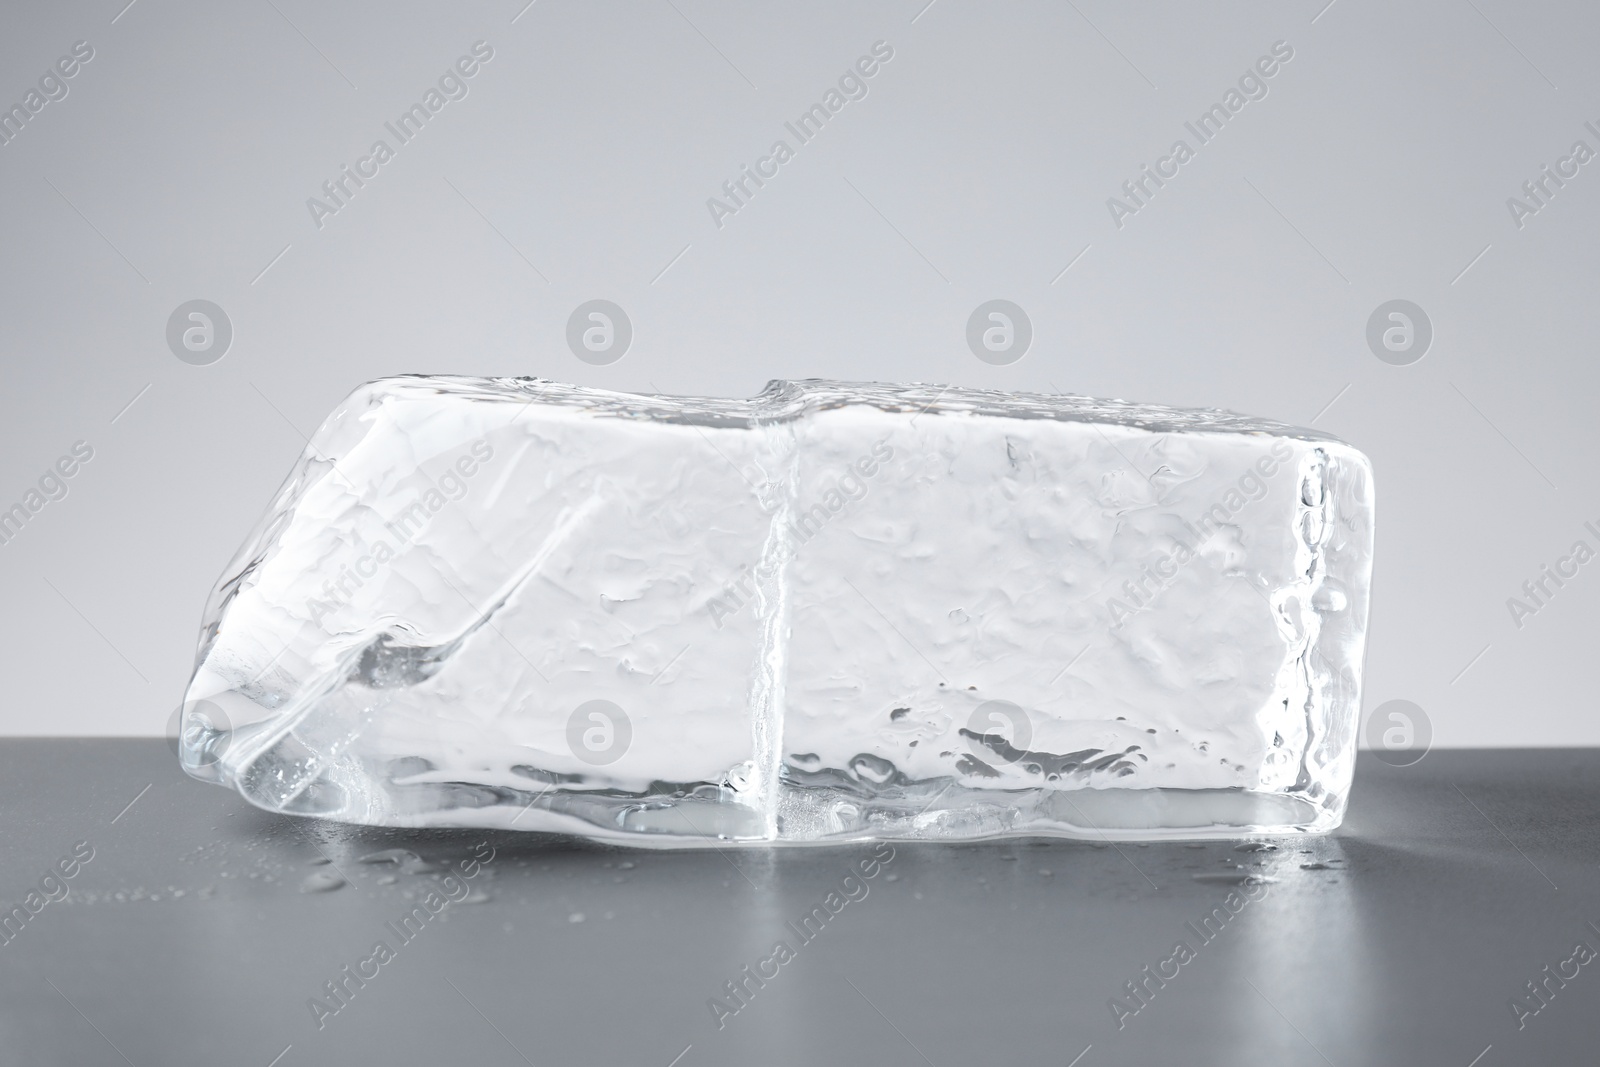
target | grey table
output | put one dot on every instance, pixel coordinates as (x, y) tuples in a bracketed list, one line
[(201, 929)]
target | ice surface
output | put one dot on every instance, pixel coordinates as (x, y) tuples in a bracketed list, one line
[(832, 612)]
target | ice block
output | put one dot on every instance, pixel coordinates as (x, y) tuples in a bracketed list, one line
[(832, 612)]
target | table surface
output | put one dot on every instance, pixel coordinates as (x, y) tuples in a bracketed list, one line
[(201, 930)]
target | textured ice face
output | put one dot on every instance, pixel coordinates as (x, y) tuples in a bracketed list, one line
[(831, 612)]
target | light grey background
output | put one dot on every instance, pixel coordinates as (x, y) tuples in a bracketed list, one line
[(978, 167)]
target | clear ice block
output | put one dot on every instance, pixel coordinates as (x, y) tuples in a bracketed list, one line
[(832, 612)]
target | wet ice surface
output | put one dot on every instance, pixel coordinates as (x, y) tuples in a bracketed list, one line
[(186, 939), (833, 612)]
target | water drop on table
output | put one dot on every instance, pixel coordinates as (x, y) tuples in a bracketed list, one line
[(403, 858), (1231, 878), (321, 882)]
